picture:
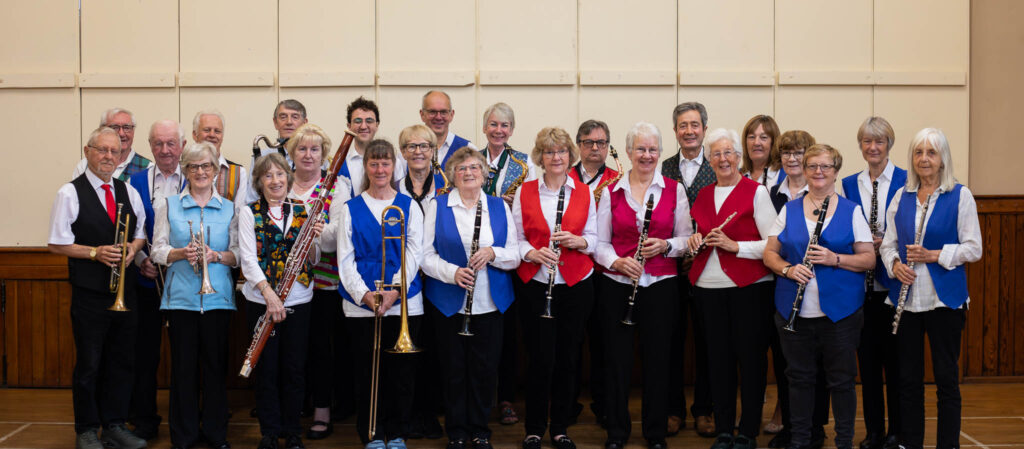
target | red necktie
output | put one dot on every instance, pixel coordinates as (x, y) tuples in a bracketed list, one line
[(110, 203)]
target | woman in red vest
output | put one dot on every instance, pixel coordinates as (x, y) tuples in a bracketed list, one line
[(621, 216), (733, 288), (552, 344)]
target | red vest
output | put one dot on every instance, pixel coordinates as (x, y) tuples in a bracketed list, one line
[(626, 234), (742, 228), (575, 264)]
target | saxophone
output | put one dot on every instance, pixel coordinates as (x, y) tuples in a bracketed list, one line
[(601, 186), (522, 176)]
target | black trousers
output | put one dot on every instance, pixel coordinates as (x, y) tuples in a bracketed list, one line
[(147, 358), (329, 353), (199, 355), (553, 349), (877, 354), (428, 399), (821, 399), (396, 377), (702, 383), (737, 337), (655, 313), (508, 367), (280, 372), (943, 326), (101, 383), (836, 343), (470, 369)]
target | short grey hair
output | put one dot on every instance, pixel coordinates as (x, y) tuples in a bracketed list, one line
[(200, 114), (177, 126), (642, 129), (718, 134), (503, 110), (690, 106), (96, 133), (198, 151), (105, 116)]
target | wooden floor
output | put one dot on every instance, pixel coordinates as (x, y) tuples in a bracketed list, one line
[(993, 417)]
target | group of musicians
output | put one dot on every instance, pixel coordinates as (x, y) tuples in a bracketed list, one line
[(754, 235)]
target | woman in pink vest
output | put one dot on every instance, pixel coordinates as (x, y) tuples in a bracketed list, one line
[(553, 340), (621, 218), (733, 288)]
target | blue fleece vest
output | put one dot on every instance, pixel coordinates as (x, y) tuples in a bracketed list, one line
[(851, 190), (367, 243), (180, 292), (448, 298), (941, 229), (840, 292)]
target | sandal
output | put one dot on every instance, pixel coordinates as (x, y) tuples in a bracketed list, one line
[(508, 414)]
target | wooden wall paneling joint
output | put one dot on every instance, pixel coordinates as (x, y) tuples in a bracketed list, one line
[(1007, 239), (1000, 204), (226, 79), (628, 78), (827, 78), (989, 303), (454, 78), (930, 78), (528, 77), (36, 80), (726, 78), (127, 80), (326, 79)]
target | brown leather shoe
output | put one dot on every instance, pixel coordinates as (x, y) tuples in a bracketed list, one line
[(674, 424), (705, 426)]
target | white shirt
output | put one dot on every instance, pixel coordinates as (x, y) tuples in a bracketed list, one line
[(690, 167), (83, 164), (162, 228), (764, 218), (587, 177), (811, 306), (864, 186), (923, 297), (446, 147), (353, 282), (548, 206), (505, 258), (299, 294), (681, 230), (500, 179), (160, 187), (773, 177), (785, 190), (354, 161), (65, 210)]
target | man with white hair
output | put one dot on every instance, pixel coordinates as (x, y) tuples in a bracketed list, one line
[(129, 162), (233, 181), (160, 180)]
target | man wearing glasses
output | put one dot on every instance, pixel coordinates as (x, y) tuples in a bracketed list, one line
[(129, 162), (437, 113), (593, 142), (363, 118)]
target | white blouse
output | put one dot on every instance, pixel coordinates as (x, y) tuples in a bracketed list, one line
[(548, 206), (764, 217)]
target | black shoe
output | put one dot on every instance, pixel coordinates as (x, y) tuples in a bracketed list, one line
[(781, 439), (320, 434), (268, 442), (117, 435), (482, 443), (562, 443), (293, 442), (657, 444), (531, 442), (817, 438), (744, 442), (613, 444), (891, 442), (456, 444), (723, 441)]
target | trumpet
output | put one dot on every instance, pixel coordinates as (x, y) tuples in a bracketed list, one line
[(117, 272), (404, 344), (198, 240)]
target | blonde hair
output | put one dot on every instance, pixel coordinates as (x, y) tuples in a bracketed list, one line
[(414, 131), (550, 138), (826, 149), (309, 131)]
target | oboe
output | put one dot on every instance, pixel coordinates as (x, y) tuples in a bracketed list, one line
[(554, 246), (474, 247), (639, 257), (905, 288), (799, 300)]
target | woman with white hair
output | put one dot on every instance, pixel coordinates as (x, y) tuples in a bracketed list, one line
[(643, 200), (927, 254), (733, 288)]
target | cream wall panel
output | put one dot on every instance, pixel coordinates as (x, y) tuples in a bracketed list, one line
[(147, 105), (535, 108), (28, 50), (831, 114), (716, 36), (622, 107), (248, 111), (728, 107), (619, 37), (228, 36), (909, 109), (922, 35), (823, 35), (325, 107), (400, 107), (154, 26), (48, 147), (527, 35), (326, 37), (426, 36)]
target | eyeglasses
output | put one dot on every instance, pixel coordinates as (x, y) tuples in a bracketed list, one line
[(723, 154), (105, 151), (118, 128), (195, 168), (472, 168), (792, 154), (437, 112), (825, 168), (592, 143), (558, 153), (368, 121), (642, 150), (418, 147)]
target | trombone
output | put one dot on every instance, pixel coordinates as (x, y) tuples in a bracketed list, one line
[(404, 344), (117, 272)]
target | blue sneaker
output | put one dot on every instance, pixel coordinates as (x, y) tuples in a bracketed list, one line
[(376, 444), (396, 443)]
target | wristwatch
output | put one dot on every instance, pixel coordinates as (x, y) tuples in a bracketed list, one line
[(785, 271), (92, 253), (668, 247)]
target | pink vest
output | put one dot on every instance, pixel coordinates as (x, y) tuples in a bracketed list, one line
[(626, 234)]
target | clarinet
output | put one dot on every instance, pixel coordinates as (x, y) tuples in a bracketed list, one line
[(474, 247), (905, 288), (554, 246), (869, 277), (799, 300), (639, 257)]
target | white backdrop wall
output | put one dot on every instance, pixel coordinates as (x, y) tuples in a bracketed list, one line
[(818, 65)]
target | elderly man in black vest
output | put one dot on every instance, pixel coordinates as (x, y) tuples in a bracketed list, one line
[(82, 227)]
